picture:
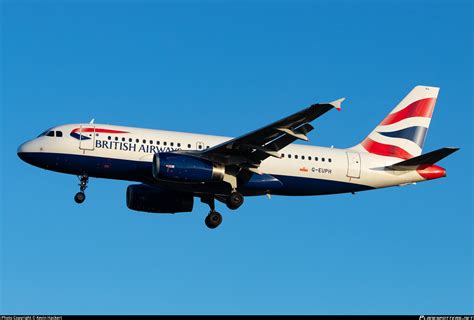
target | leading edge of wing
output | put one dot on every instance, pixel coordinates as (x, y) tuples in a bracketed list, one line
[(289, 126)]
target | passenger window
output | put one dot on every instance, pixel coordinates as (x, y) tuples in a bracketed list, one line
[(123, 139), (289, 156), (200, 146), (171, 143), (151, 141), (109, 137), (59, 134), (329, 160), (296, 156), (302, 157), (315, 158), (164, 143), (144, 141), (207, 147), (322, 159), (309, 157), (116, 138), (157, 143), (129, 139), (282, 155), (137, 141), (50, 134), (189, 146)]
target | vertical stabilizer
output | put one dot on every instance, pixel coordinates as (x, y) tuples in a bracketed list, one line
[(402, 133)]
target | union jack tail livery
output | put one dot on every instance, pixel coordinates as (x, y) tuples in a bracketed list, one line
[(402, 133)]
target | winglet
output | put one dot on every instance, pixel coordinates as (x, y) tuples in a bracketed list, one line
[(337, 103)]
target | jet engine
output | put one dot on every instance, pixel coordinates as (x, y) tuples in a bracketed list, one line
[(186, 168), (146, 198)]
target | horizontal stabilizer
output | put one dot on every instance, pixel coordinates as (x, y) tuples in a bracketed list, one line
[(425, 159)]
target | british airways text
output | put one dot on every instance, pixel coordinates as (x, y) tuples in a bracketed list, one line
[(132, 147)]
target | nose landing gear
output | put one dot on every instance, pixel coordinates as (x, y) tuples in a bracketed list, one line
[(81, 196)]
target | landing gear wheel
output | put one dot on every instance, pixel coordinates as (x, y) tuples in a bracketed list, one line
[(80, 197), (213, 220), (235, 200)]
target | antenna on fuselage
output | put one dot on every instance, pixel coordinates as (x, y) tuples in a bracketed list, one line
[(92, 121)]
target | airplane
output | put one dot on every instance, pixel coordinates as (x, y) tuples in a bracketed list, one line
[(173, 168)]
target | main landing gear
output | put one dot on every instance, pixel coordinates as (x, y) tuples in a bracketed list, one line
[(214, 218), (235, 200), (81, 196)]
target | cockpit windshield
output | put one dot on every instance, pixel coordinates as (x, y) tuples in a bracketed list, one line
[(45, 133), (51, 133)]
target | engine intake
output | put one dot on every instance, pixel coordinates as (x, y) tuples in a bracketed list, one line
[(179, 167), (141, 197)]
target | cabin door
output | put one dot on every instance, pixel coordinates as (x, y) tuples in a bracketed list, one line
[(87, 137), (353, 165)]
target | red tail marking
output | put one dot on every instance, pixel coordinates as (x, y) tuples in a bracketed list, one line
[(385, 149), (420, 108)]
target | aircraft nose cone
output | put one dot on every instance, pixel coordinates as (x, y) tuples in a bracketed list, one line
[(21, 151), (24, 152)]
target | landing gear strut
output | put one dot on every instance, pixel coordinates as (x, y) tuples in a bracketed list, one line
[(235, 200), (81, 196), (214, 218)]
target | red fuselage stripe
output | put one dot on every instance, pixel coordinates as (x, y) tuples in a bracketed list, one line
[(99, 130)]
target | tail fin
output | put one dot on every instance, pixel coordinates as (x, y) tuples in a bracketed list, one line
[(402, 133)]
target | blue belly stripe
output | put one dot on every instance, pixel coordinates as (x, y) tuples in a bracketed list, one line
[(140, 171)]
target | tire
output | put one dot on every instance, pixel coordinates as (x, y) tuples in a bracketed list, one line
[(80, 197), (213, 220), (235, 200)]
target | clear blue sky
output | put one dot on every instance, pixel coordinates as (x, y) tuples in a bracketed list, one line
[(227, 69)]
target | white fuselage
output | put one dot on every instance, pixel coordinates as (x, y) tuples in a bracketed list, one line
[(136, 145)]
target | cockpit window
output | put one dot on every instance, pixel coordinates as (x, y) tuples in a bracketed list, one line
[(51, 133), (43, 133), (46, 133)]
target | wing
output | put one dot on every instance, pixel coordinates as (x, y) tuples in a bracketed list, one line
[(249, 150)]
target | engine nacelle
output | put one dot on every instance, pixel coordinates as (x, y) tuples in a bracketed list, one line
[(181, 167), (141, 197)]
